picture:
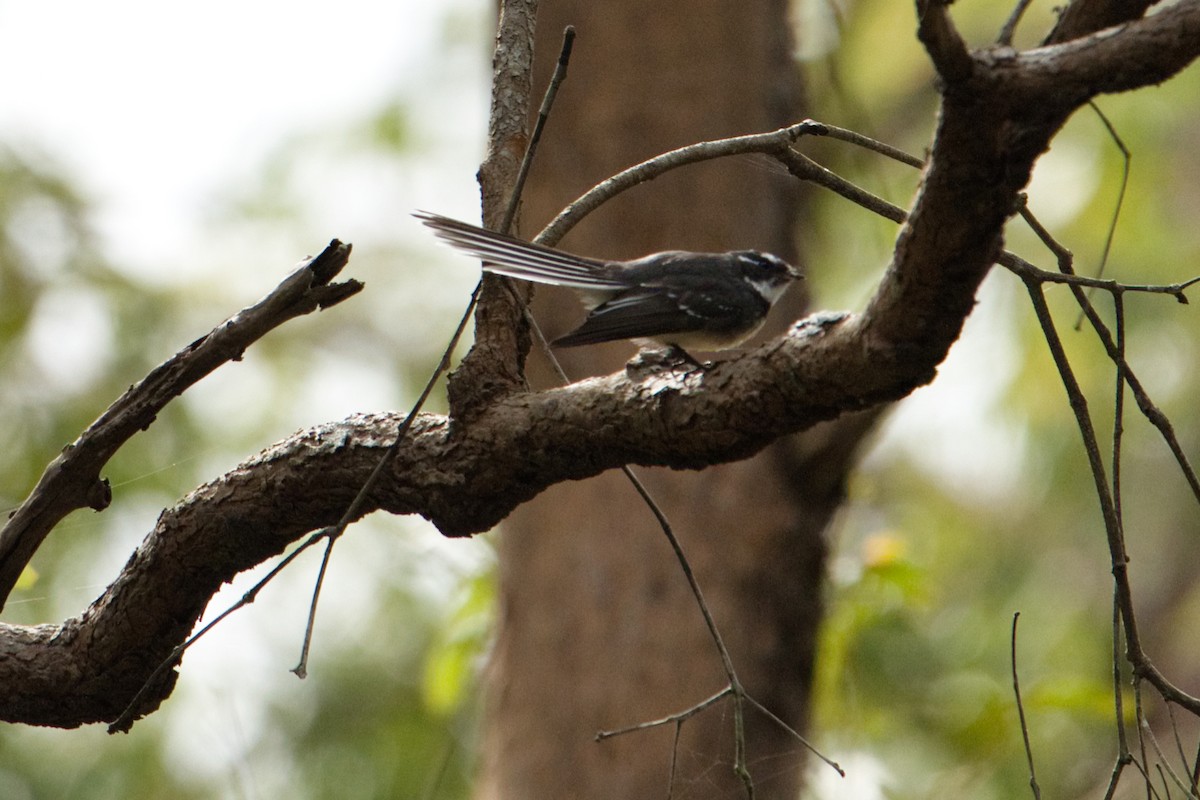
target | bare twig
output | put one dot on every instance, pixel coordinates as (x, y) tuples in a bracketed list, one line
[(556, 80), (1033, 784), (560, 74), (1118, 406), (589, 201), (1118, 695), (72, 480), (1164, 764), (1149, 410), (126, 719), (1188, 769), (674, 759), (795, 735), (804, 168), (1196, 772), (735, 685), (1142, 666), (1126, 160), (874, 145), (301, 668), (1010, 25), (667, 720), (1124, 757)]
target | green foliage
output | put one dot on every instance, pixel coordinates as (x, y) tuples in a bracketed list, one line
[(977, 503), (454, 654)]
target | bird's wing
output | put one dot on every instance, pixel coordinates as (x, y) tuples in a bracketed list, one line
[(505, 255), (702, 315), (647, 313)]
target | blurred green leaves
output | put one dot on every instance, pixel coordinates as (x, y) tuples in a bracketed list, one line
[(458, 646)]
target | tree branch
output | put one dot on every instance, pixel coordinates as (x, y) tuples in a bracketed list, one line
[(495, 363), (72, 480), (1088, 16)]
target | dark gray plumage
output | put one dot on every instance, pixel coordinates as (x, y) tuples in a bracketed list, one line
[(703, 301)]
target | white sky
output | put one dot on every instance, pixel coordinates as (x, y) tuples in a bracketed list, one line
[(157, 105)]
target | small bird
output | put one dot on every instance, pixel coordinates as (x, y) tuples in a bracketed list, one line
[(705, 301)]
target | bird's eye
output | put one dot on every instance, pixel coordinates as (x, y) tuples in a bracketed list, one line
[(758, 265)]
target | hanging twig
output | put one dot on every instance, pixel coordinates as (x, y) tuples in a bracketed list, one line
[(1016, 681)]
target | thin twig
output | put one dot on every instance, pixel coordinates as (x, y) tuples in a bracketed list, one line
[(1033, 784), (667, 720), (1196, 772), (1084, 421), (1164, 765), (1020, 266), (352, 511), (652, 168), (1140, 718), (1143, 667), (771, 716), (301, 668), (1124, 757), (125, 720), (1010, 25), (1118, 405), (560, 72), (1118, 695), (1188, 769), (1149, 410), (804, 168), (674, 759), (735, 685), (874, 145), (1127, 159), (560, 75)]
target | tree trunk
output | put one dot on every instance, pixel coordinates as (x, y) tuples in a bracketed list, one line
[(597, 628)]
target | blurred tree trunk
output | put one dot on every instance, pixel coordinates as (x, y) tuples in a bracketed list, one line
[(597, 628)]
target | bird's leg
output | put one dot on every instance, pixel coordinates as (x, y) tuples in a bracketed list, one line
[(680, 356)]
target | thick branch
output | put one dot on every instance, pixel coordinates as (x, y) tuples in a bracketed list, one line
[(1132, 55), (996, 119), (463, 477), (495, 363), (1088, 16)]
